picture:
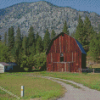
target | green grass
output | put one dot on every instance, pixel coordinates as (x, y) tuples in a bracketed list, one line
[(91, 80), (5, 96), (35, 87)]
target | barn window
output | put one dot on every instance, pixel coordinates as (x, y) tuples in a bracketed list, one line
[(61, 57)]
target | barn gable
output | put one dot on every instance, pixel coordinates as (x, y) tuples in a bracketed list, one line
[(62, 33)]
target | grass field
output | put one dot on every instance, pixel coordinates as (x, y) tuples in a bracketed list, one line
[(91, 80), (34, 87), (33, 84)]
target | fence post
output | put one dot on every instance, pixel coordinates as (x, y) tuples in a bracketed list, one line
[(22, 91)]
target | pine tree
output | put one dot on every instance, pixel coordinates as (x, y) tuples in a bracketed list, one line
[(22, 36), (11, 38), (18, 42), (37, 36), (53, 34), (46, 39), (31, 36), (5, 38), (39, 45), (88, 31), (65, 28), (31, 40), (94, 48), (79, 34), (24, 45), (4, 54)]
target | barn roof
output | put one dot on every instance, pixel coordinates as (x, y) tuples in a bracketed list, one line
[(79, 45)]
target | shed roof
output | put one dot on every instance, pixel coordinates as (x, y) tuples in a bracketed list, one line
[(79, 44), (12, 63), (3, 63)]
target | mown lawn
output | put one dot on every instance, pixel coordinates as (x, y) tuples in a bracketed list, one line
[(35, 87)]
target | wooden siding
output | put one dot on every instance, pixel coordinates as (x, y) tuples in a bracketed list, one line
[(72, 54)]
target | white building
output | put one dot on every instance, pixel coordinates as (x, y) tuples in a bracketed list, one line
[(4, 67)]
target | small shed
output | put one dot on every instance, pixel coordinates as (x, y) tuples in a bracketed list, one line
[(65, 54), (4, 67)]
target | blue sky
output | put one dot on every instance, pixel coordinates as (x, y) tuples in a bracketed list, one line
[(82, 5)]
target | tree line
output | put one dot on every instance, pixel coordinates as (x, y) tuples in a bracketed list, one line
[(28, 51)]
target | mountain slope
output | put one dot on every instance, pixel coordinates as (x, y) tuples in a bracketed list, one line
[(42, 15)]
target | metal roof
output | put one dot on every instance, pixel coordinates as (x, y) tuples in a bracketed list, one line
[(3, 63), (12, 63), (80, 46)]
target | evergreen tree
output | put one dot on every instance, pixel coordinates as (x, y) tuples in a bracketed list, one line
[(4, 54), (65, 28), (32, 50), (31, 40), (18, 42), (46, 39), (53, 34), (39, 45), (79, 34), (37, 36), (94, 48), (31, 36), (24, 45), (22, 36), (88, 31), (11, 38), (5, 38)]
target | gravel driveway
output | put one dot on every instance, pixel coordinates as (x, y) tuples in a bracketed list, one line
[(84, 93)]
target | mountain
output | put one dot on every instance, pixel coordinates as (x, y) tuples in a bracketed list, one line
[(42, 15)]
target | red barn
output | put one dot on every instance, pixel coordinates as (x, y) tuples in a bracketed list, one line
[(65, 54)]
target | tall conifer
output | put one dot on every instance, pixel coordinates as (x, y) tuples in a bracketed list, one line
[(11, 38), (24, 45), (39, 46), (18, 42), (31, 41), (53, 34), (79, 34), (46, 39), (65, 28), (5, 38)]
